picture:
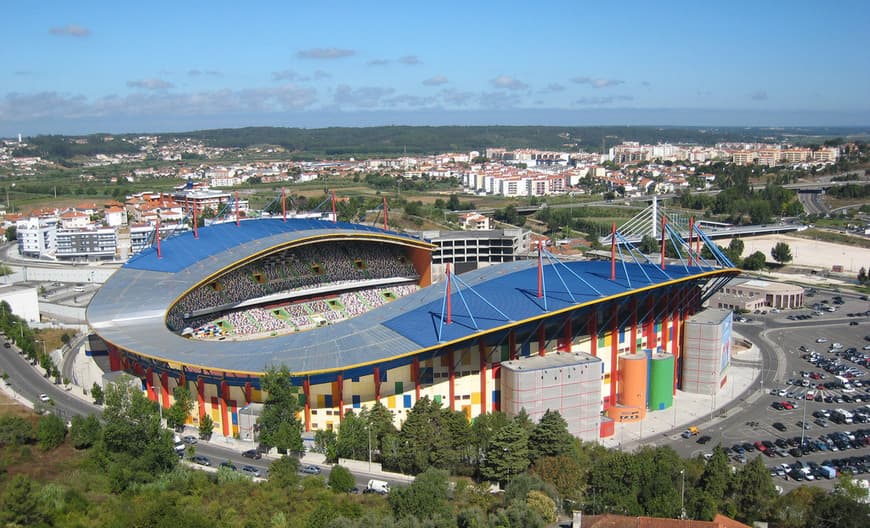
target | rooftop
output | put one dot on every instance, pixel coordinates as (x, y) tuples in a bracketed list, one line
[(129, 310)]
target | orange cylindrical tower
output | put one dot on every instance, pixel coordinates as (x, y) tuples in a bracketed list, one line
[(632, 390)]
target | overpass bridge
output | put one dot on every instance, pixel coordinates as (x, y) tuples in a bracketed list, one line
[(649, 222)]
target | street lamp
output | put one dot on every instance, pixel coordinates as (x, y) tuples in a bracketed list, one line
[(683, 495), (369, 430)]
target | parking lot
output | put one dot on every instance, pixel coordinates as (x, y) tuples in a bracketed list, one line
[(810, 416)]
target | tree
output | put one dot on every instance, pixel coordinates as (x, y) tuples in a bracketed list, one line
[(97, 393), (20, 503), (735, 250), (284, 472), (85, 431), (325, 442), (426, 498), (542, 505), (507, 455), (279, 426), (550, 437), (648, 245), (341, 480), (50, 431), (862, 275), (756, 493), (132, 435), (12, 233), (176, 415), (14, 430), (352, 438), (564, 473), (755, 261), (781, 253), (206, 427)]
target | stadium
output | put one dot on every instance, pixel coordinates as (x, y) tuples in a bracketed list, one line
[(352, 312)]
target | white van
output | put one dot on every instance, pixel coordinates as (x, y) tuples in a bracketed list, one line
[(378, 486)]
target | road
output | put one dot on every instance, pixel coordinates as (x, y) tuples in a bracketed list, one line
[(28, 383)]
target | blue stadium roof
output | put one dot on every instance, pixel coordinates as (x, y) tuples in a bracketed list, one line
[(181, 251), (129, 310)]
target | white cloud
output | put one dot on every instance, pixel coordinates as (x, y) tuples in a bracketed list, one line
[(150, 84), (410, 60), (325, 53), (285, 75), (196, 73), (378, 62), (506, 81), (70, 30), (604, 100), (53, 105), (598, 83), (362, 97), (758, 95), (435, 81)]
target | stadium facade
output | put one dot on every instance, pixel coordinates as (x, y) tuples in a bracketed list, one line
[(446, 340)]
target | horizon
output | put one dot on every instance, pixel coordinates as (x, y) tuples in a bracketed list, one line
[(81, 70)]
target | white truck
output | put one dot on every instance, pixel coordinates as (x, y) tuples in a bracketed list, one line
[(378, 486)]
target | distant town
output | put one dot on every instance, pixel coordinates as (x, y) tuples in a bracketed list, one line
[(115, 229)]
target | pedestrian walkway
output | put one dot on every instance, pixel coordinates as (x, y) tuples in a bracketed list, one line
[(701, 410)]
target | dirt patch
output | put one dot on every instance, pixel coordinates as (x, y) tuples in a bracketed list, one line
[(29, 459), (53, 337)]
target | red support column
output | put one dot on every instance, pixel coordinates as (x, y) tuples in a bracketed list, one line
[(449, 314), (164, 390), (306, 390), (249, 389), (540, 271), (340, 387), (512, 344), (633, 345), (451, 379), (593, 332), (114, 359), (665, 330), (678, 299), (157, 237), (564, 343), (415, 372), (650, 324), (613, 252), (691, 239), (237, 210), (385, 213), (481, 351), (376, 374), (200, 396), (664, 225), (542, 340), (614, 349), (224, 402), (149, 385), (195, 227)]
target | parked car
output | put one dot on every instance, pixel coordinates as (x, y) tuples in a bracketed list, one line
[(250, 471), (229, 465), (201, 460), (45, 398), (189, 439), (308, 469), (252, 453), (779, 426), (704, 439)]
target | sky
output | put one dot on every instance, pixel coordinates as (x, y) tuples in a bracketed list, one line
[(75, 67)]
